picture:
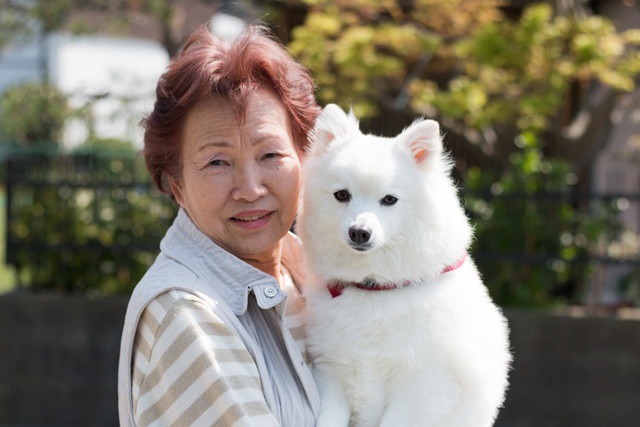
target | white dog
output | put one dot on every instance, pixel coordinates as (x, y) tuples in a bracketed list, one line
[(401, 328)]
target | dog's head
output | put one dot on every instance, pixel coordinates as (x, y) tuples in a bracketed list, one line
[(379, 207)]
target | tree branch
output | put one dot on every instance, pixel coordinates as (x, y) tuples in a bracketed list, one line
[(581, 140)]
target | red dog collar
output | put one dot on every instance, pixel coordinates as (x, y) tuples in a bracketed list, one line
[(336, 288)]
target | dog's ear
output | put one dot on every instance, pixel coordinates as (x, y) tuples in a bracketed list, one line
[(423, 140), (333, 123)]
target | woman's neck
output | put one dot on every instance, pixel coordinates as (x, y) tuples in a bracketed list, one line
[(270, 263)]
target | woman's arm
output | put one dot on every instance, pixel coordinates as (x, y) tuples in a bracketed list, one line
[(190, 368)]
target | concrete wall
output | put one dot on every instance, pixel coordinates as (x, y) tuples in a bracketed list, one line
[(573, 371), (58, 362)]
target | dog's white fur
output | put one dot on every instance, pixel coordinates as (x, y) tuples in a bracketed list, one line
[(432, 353)]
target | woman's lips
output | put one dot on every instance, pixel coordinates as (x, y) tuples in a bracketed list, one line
[(252, 220)]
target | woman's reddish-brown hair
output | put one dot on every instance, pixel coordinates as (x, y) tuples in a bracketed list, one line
[(209, 66)]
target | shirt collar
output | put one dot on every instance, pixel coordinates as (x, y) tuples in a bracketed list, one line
[(230, 276)]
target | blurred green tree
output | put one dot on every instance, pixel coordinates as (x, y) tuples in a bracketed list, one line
[(33, 114), (532, 239), (86, 221), (485, 76), (23, 21), (529, 94)]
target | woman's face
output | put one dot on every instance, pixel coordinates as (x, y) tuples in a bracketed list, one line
[(240, 181)]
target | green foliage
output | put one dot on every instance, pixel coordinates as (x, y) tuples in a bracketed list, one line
[(14, 27), (33, 113), (7, 279), (519, 72), (106, 148), (487, 77), (88, 221), (482, 68), (21, 21), (532, 238), (24, 21), (357, 56)]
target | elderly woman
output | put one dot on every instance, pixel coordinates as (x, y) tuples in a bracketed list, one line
[(214, 331)]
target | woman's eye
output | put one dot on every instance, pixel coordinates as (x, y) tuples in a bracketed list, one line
[(342, 196), (271, 155), (388, 200), (217, 162)]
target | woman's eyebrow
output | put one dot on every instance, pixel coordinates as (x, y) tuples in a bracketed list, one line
[(214, 144), (259, 139)]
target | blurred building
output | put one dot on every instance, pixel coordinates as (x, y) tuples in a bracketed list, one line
[(112, 77)]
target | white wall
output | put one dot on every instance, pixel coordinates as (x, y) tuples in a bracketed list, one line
[(118, 75)]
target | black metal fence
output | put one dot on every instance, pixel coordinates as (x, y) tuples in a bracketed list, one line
[(81, 222), (538, 249)]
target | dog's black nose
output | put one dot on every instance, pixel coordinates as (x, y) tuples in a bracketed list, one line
[(359, 235)]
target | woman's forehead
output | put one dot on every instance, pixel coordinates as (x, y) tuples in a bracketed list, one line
[(215, 117)]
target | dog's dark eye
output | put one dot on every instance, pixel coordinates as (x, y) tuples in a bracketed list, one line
[(388, 200), (342, 196)]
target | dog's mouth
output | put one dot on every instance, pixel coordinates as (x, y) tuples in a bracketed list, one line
[(369, 282), (361, 248)]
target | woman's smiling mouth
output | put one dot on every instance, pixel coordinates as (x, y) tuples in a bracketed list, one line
[(252, 220)]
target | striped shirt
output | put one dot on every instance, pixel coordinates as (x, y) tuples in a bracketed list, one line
[(194, 364)]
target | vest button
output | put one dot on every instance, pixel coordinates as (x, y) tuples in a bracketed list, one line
[(270, 291)]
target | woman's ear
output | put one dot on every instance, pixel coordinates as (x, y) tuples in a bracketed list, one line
[(176, 189)]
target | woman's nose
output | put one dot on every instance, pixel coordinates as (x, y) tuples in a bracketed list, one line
[(248, 183)]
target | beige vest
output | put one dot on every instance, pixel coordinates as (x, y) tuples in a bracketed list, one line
[(191, 262)]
